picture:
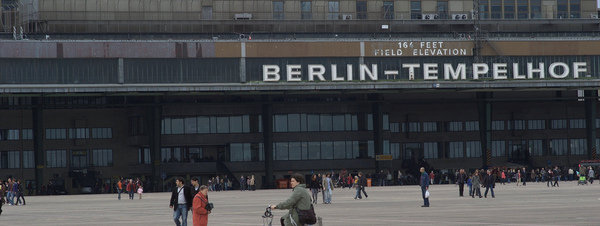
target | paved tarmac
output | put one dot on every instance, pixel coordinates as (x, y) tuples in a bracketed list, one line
[(534, 204)]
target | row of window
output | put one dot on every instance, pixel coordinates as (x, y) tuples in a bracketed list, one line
[(16, 134), (57, 158), (497, 125), (314, 122), (208, 124), (175, 154), (489, 9), (78, 133)]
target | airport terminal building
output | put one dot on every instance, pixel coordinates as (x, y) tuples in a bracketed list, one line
[(205, 88)]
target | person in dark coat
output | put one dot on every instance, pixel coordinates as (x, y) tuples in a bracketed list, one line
[(424, 182), (362, 183), (461, 179), (181, 202), (489, 182)]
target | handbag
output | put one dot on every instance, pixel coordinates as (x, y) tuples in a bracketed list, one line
[(427, 194), (307, 216), (208, 205)]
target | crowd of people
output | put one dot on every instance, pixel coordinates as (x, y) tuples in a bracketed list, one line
[(11, 192), (131, 187), (185, 198)]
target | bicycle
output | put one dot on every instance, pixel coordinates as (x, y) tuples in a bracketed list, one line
[(267, 217)]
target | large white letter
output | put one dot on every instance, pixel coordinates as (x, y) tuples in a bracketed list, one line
[(371, 73), (316, 70), (516, 74), (411, 69), (349, 72), (579, 67), (558, 64), (271, 73), (480, 69), (540, 70), (334, 76), (429, 69), (499, 71), (460, 72), (294, 73)]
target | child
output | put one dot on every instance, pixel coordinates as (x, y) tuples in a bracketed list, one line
[(140, 191), (470, 186)]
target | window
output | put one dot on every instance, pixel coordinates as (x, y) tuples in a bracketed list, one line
[(498, 148), (306, 8), (144, 156), (102, 157), (369, 121), (395, 150), (28, 161), (56, 158), (522, 9), (559, 124), (455, 149), (394, 127), (535, 147), (334, 10), (509, 9), (516, 124), (484, 11), (177, 126), (473, 149), (386, 122), (195, 154), (326, 122), (338, 122), (294, 123), (575, 8), (430, 127), (136, 126), (27, 134), (562, 9), (536, 9), (222, 124), (361, 10), (13, 134), (497, 125), (442, 9), (577, 124), (10, 159), (280, 151), (371, 149), (496, 9), (415, 10), (102, 133), (242, 152), (326, 150), (578, 147), (431, 150), (56, 134), (455, 126), (280, 123), (295, 151), (313, 122), (79, 158), (536, 124), (472, 126), (414, 127), (191, 126), (79, 133), (203, 124), (278, 10), (558, 146), (207, 12), (314, 150), (388, 10)]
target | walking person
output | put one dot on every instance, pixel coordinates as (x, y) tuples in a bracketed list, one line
[(524, 174), (140, 190), (518, 177), (489, 183), (503, 176), (328, 189), (195, 186), (9, 193), (424, 182), (20, 193), (432, 177), (200, 211), (323, 186), (461, 179), (242, 183), (119, 188), (131, 189), (362, 183), (476, 180), (300, 200), (314, 186), (251, 183), (181, 202), (591, 175), (556, 174)]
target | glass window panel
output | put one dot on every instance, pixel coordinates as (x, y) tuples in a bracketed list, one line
[(293, 122), (282, 151), (415, 10), (278, 10), (236, 152), (190, 125), (535, 147), (354, 123), (203, 124), (306, 9), (246, 124), (177, 126), (498, 148), (473, 149), (386, 122), (348, 122), (167, 126), (578, 147), (326, 150), (213, 124), (339, 149), (313, 122), (326, 122), (388, 10), (455, 149), (369, 121), (28, 162), (361, 10), (235, 124), (559, 146), (334, 10), (314, 150), (295, 150), (280, 123), (338, 123), (222, 124), (431, 150), (303, 123), (371, 149)]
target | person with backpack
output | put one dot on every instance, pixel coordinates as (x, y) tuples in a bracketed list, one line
[(299, 201)]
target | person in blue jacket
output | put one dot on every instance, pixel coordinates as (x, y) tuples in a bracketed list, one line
[(424, 182)]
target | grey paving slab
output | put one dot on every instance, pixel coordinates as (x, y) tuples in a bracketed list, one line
[(534, 204)]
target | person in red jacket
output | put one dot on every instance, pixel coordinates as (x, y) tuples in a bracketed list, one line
[(131, 189), (199, 211)]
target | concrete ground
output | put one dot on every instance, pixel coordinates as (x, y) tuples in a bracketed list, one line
[(534, 204)]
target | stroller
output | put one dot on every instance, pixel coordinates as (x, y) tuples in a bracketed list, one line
[(582, 180)]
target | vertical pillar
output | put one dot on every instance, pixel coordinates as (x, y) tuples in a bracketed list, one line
[(590, 121), (38, 141), (485, 123), (377, 132), (267, 125), (154, 141)]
